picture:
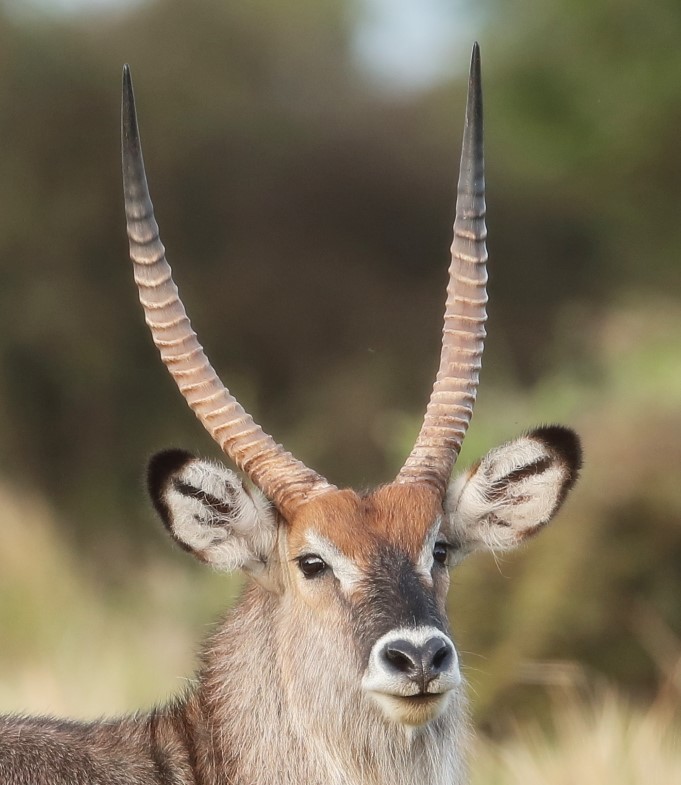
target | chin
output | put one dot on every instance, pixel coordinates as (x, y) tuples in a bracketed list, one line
[(414, 710)]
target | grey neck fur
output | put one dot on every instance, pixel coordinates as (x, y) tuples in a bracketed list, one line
[(280, 720), (278, 702)]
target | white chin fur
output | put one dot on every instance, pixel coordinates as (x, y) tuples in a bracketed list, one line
[(411, 711)]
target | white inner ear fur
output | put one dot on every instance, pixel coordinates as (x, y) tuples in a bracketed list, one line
[(508, 496), (216, 517)]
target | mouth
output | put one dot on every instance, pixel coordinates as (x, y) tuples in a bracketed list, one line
[(412, 674), (422, 697), (417, 709)]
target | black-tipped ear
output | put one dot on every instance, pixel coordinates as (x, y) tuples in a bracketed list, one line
[(208, 513), (566, 446), (515, 490), (162, 467)]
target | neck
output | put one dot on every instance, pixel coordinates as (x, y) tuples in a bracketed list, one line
[(274, 706)]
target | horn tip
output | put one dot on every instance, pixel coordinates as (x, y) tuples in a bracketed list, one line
[(475, 64), (128, 115), (127, 81), (474, 103)]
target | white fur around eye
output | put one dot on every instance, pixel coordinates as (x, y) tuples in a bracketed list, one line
[(344, 568), (424, 565)]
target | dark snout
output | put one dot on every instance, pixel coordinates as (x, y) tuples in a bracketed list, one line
[(412, 673), (413, 667), (420, 663)]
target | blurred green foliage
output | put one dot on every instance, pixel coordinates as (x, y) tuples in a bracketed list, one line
[(307, 215)]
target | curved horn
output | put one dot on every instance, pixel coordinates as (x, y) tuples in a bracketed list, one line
[(451, 402), (284, 480)]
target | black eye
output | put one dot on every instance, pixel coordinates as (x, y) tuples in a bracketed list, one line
[(311, 565), (440, 552)]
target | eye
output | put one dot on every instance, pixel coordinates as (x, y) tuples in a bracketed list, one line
[(440, 552), (311, 565)]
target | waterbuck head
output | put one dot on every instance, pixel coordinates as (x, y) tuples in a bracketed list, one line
[(358, 580)]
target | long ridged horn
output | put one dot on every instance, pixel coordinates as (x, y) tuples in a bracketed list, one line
[(284, 480), (451, 403)]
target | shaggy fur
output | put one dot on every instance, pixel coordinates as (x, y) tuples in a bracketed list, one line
[(279, 697)]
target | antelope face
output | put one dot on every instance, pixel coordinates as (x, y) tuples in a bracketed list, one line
[(370, 570), (364, 578), (380, 561)]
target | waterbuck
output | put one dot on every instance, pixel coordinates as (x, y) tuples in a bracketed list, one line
[(337, 666)]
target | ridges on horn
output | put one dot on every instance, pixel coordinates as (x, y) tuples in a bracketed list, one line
[(283, 479), (451, 403)]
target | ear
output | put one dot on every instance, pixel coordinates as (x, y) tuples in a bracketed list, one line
[(208, 512), (514, 491)]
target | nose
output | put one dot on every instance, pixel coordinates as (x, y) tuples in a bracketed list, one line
[(421, 663)]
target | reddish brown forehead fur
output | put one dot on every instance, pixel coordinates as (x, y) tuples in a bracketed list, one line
[(398, 514)]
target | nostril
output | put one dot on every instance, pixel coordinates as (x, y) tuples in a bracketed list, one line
[(399, 660), (437, 656), (441, 657), (402, 656), (419, 662)]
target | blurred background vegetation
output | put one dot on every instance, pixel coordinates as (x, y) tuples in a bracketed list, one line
[(303, 169)]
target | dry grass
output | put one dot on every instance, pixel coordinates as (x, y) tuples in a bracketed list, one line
[(590, 742), (70, 645)]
